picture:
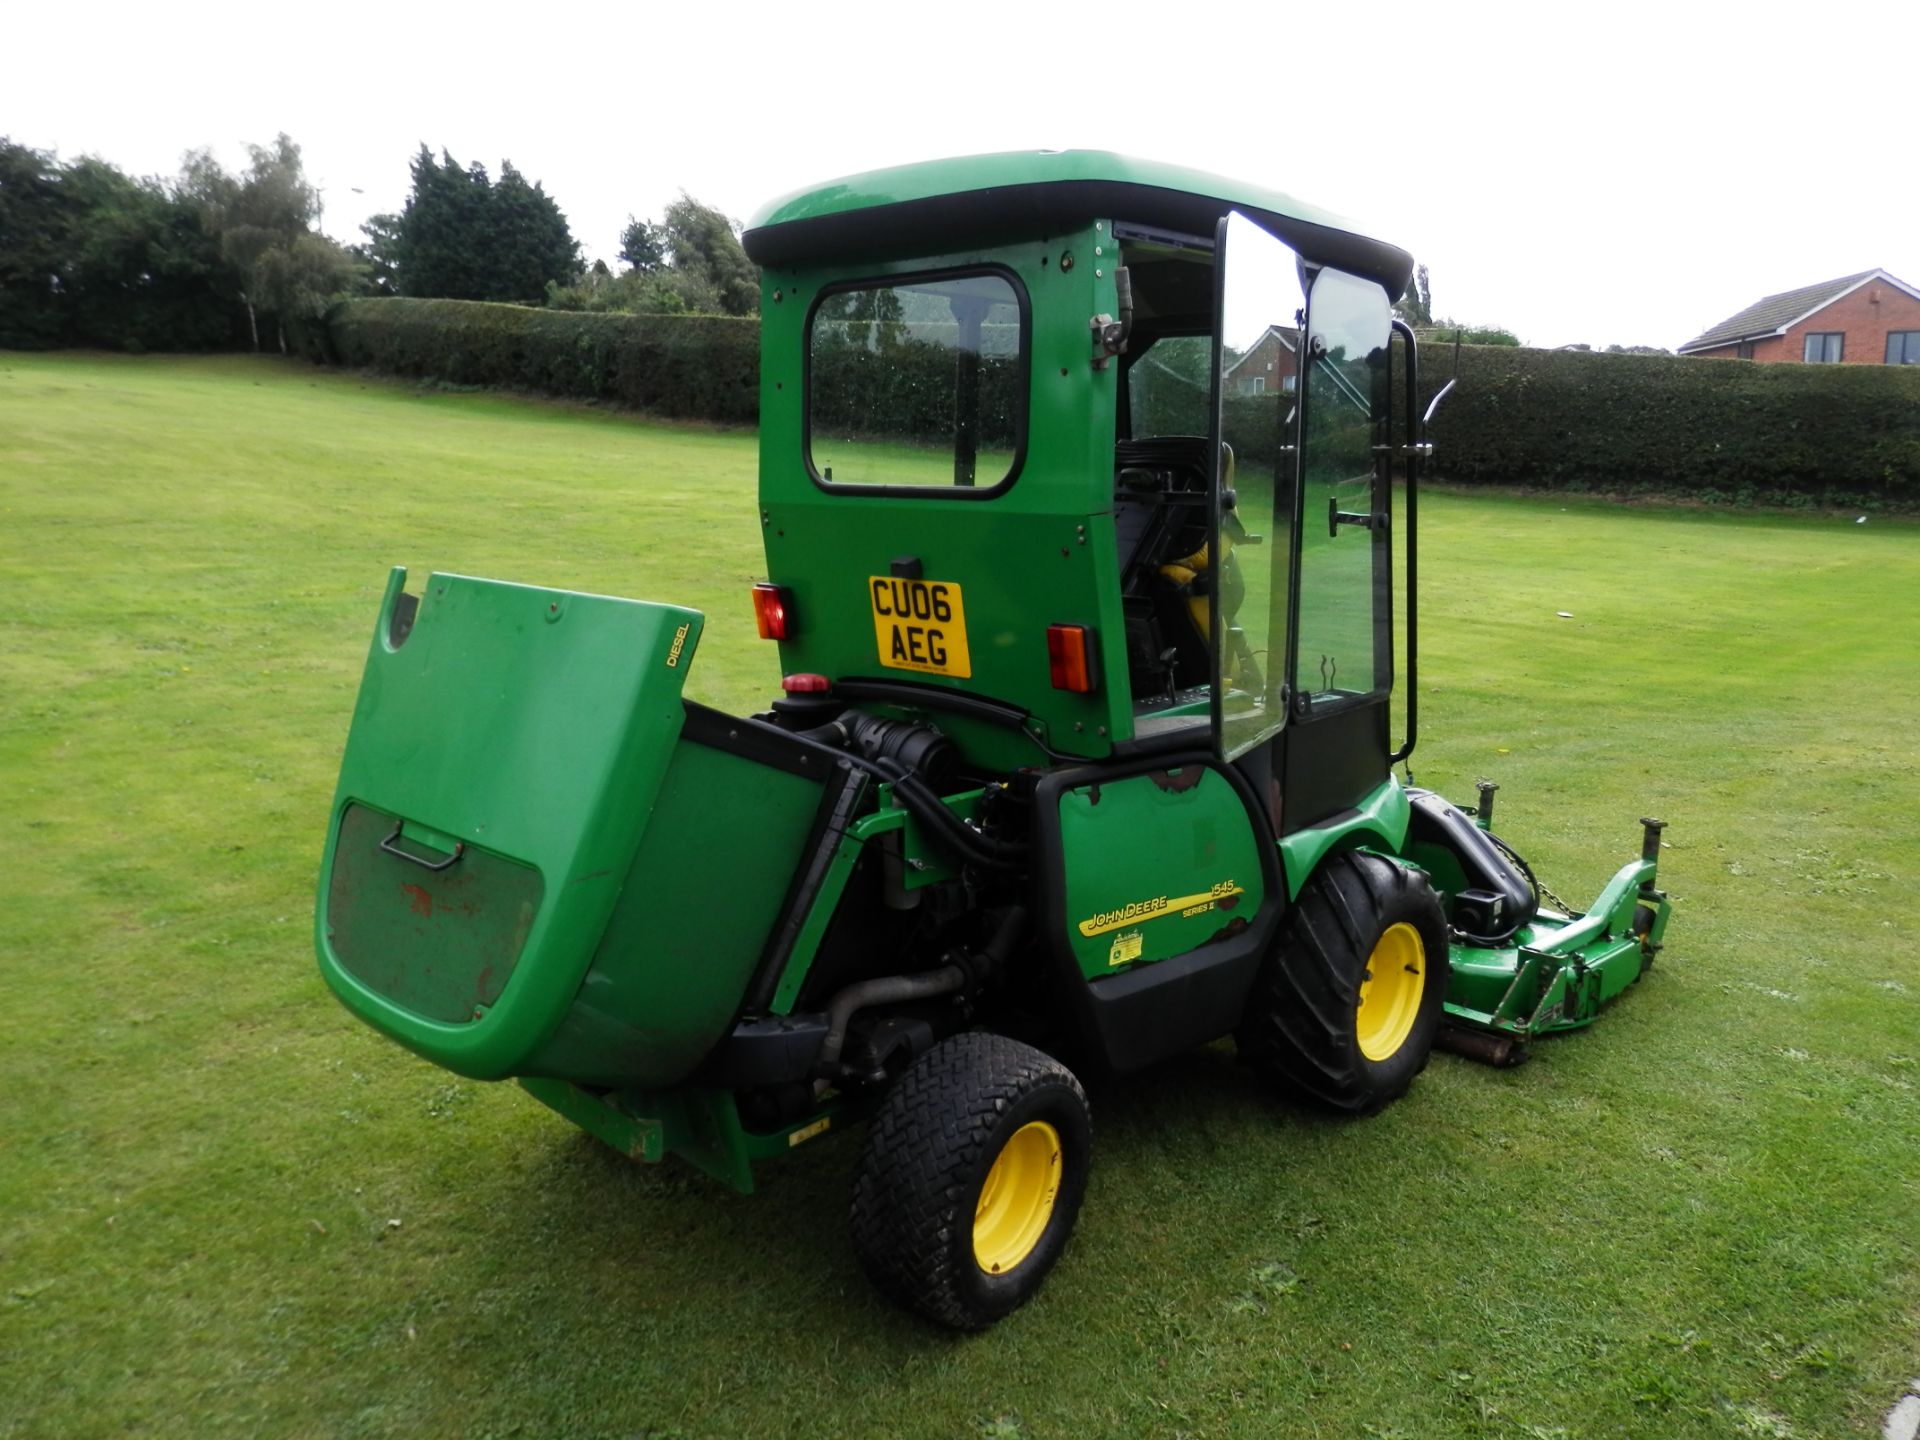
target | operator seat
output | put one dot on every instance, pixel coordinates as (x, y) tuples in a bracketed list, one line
[(1167, 579)]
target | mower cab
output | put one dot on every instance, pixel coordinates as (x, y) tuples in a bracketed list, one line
[(1082, 482)]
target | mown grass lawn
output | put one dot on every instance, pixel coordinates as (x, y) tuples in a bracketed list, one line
[(228, 1209)]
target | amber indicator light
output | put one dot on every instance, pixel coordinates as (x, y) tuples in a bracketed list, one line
[(1070, 658), (773, 611)]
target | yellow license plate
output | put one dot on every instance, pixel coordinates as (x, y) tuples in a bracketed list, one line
[(920, 625)]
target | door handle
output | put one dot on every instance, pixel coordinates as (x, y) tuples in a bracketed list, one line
[(459, 849), (1336, 517)]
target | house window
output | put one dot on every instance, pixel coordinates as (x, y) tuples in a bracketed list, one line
[(1823, 347), (1903, 347), (1744, 351), (1254, 385)]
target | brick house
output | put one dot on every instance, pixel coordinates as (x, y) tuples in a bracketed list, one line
[(1266, 367), (1865, 319)]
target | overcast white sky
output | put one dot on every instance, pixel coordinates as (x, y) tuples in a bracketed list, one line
[(1599, 172)]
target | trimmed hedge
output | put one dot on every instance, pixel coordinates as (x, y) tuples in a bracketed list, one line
[(905, 391), (702, 367), (1718, 430)]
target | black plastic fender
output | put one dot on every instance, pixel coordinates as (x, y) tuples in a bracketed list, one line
[(1436, 821)]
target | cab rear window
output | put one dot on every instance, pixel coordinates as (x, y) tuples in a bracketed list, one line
[(918, 384)]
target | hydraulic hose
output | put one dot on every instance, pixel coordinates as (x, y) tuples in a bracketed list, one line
[(917, 797), (944, 825)]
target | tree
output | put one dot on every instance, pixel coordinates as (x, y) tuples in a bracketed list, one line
[(643, 245), (688, 263), (703, 242), (1445, 330), (36, 228), (142, 270), (666, 291), (1416, 306), (438, 233), (92, 256), (463, 237), (530, 243), (265, 220), (379, 257)]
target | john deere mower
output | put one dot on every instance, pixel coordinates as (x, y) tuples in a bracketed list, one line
[(1080, 480)]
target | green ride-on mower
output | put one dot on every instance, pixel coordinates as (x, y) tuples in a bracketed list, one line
[(1080, 480)]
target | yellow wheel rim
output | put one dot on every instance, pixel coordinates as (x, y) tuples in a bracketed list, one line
[(1017, 1199), (1390, 991)]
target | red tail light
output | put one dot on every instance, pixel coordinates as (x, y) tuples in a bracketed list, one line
[(806, 684), (1071, 658), (773, 610)]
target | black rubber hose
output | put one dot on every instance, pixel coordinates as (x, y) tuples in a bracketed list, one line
[(1000, 947), (920, 801), (888, 990), (943, 824), (896, 989)]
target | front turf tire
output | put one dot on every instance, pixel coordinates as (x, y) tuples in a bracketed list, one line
[(971, 1179), (1346, 1008)]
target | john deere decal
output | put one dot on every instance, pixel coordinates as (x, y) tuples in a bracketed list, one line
[(1158, 908)]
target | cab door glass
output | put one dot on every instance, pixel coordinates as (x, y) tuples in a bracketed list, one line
[(1344, 648), (1256, 380)]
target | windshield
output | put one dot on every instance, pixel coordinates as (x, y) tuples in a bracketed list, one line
[(1168, 387)]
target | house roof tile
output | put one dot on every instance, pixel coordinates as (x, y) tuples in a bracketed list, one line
[(1774, 313)]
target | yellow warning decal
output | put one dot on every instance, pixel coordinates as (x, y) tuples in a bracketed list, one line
[(807, 1132), (1126, 947), (1158, 908)]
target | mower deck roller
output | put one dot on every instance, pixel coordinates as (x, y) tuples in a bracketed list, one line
[(1083, 482)]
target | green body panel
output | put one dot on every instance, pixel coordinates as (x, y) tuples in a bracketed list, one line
[(1156, 865), (701, 1126), (1378, 822), (922, 862), (699, 900), (534, 725), (1040, 553)]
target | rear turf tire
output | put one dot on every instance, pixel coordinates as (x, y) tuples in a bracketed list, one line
[(1346, 1007), (971, 1179)]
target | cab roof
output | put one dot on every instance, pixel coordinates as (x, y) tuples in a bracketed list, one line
[(909, 208)]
